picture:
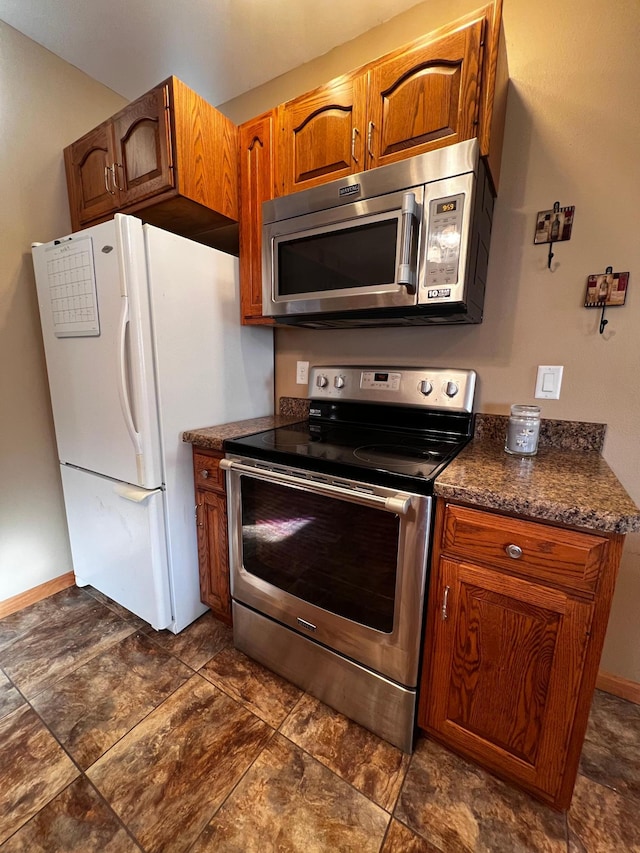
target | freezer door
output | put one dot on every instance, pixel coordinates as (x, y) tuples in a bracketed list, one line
[(118, 542), (92, 293)]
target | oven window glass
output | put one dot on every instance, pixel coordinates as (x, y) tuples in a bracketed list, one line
[(362, 256), (334, 554)]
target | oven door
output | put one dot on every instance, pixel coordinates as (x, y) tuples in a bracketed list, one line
[(359, 255), (341, 562)]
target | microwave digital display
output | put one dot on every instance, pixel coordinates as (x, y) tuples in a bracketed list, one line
[(447, 206)]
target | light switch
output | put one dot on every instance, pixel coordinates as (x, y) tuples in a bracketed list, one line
[(302, 372), (548, 382)]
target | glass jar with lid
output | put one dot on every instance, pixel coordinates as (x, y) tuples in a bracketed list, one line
[(523, 430)]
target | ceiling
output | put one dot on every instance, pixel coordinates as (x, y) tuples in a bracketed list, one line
[(220, 48)]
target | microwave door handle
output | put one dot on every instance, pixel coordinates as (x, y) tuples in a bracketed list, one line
[(407, 275)]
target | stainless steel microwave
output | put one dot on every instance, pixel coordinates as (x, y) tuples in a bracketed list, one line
[(403, 244)]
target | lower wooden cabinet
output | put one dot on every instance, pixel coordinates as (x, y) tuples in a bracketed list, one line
[(211, 520), (511, 659)]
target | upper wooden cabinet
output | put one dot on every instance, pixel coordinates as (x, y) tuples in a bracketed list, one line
[(322, 134), (436, 91), (168, 157), (515, 626), (256, 142), (426, 96)]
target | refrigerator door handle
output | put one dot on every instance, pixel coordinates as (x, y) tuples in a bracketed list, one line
[(124, 385), (134, 493)]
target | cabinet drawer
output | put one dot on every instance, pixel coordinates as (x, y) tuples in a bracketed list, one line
[(207, 472), (529, 548)]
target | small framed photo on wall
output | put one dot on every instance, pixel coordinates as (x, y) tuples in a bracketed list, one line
[(606, 289), (554, 225)]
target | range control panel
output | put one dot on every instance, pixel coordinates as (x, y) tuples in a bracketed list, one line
[(449, 389)]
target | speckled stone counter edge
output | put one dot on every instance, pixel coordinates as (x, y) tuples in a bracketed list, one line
[(292, 410), (569, 487), (563, 435)]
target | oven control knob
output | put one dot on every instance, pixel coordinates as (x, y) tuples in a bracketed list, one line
[(339, 382), (426, 387), (322, 381), (451, 389)]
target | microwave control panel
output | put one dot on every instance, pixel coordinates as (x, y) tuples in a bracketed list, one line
[(443, 245)]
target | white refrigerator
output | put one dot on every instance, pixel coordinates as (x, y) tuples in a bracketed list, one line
[(142, 340)]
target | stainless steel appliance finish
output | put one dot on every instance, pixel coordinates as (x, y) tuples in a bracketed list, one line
[(402, 244), (392, 652), (378, 704), (329, 535)]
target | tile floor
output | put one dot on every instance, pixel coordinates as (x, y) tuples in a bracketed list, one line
[(115, 738)]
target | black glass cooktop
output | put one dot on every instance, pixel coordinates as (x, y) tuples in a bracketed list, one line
[(382, 456)]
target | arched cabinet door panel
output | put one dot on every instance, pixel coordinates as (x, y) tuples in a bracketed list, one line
[(89, 162), (323, 134), (143, 147), (426, 97)]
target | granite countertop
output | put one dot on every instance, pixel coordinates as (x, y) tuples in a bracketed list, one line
[(292, 410), (572, 487), (568, 482)]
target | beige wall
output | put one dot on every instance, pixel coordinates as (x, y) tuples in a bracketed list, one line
[(44, 105), (573, 125)]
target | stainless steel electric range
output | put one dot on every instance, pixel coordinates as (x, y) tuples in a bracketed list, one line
[(329, 533)]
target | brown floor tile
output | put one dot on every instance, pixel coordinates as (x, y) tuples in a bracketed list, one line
[(118, 609), (51, 610), (400, 839), (261, 691), (33, 769), (367, 762), (76, 821), (198, 643), (289, 802), (602, 821), (93, 707), (53, 648), (456, 806), (10, 699), (611, 751), (166, 778)]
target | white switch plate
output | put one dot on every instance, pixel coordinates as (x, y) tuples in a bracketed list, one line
[(548, 382), (302, 373)]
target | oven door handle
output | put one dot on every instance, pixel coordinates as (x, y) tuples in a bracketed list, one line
[(399, 504)]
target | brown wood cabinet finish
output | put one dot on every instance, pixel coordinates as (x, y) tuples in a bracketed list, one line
[(322, 133), (256, 140), (211, 520), (168, 157), (426, 96), (512, 650)]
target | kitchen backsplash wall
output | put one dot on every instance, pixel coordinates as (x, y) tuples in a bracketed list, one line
[(570, 137)]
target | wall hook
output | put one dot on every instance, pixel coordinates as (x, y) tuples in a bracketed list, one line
[(554, 231), (602, 297)]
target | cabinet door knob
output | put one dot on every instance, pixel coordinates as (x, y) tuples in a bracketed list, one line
[(514, 551), (204, 473)]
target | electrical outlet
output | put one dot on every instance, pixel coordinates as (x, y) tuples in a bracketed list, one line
[(548, 382), (302, 373)]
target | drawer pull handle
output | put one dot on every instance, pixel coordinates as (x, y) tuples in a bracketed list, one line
[(445, 604), (514, 551), (204, 473)]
